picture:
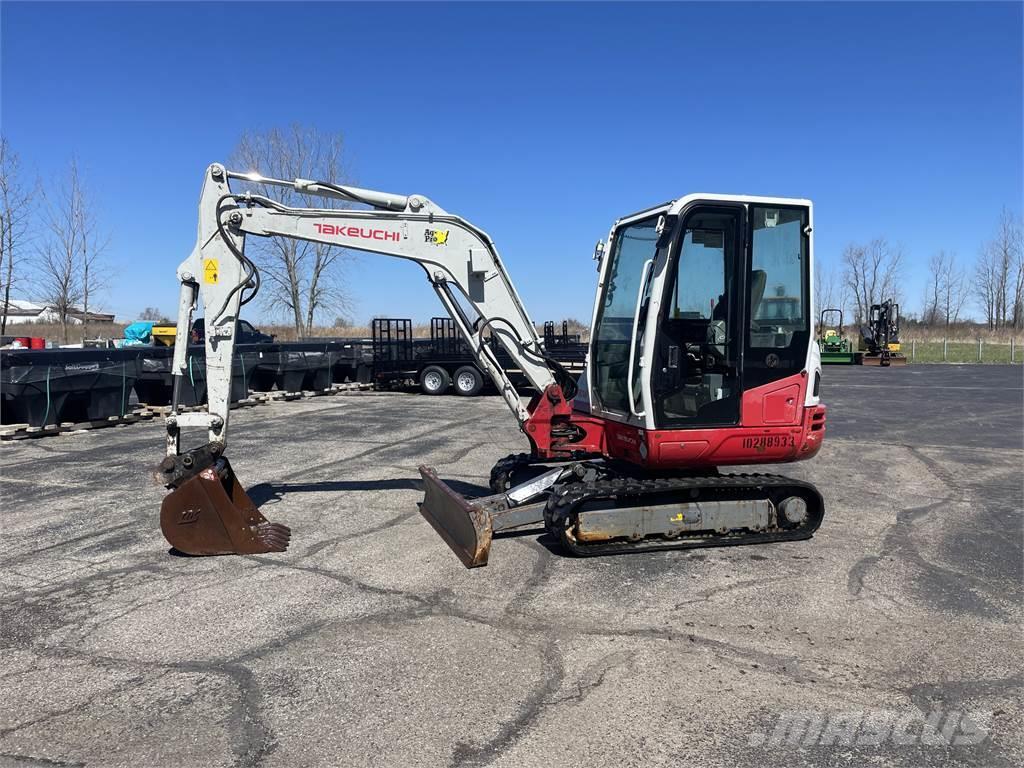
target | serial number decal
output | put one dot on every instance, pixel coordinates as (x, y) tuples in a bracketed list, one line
[(764, 442)]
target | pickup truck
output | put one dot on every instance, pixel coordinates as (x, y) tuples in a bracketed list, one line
[(247, 334)]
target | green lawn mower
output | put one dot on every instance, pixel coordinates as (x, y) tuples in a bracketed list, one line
[(835, 350)]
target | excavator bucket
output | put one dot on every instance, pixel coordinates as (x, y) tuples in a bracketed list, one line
[(210, 514), (465, 526)]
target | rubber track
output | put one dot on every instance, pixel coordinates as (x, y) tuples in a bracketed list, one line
[(503, 470), (564, 505)]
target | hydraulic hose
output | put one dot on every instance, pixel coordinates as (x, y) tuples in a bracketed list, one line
[(562, 376), (252, 273)]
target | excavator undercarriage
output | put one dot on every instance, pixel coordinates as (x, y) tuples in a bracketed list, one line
[(596, 508)]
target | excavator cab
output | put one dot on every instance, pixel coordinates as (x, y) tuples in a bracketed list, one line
[(701, 301)]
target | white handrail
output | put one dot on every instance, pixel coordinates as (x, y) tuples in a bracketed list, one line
[(632, 338)]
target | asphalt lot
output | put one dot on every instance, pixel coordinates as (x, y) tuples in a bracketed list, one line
[(368, 643)]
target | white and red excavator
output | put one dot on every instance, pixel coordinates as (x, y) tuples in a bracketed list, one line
[(701, 357)]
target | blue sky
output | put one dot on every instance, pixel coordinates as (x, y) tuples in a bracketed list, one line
[(540, 123)]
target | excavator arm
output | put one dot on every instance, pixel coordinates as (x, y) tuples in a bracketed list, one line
[(460, 262)]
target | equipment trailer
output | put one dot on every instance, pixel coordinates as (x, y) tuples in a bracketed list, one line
[(445, 363), (688, 370)]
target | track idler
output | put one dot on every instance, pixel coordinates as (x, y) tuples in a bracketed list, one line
[(208, 513)]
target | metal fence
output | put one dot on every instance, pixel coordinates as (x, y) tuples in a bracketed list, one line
[(979, 351)]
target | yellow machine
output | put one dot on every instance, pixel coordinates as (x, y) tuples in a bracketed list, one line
[(163, 334)]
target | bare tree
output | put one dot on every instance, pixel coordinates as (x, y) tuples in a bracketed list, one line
[(830, 290), (985, 289), (955, 290), (999, 274), (824, 285), (303, 278), (946, 291), (69, 264), (152, 314), (16, 206), (1009, 245), (931, 309), (59, 279), (872, 274)]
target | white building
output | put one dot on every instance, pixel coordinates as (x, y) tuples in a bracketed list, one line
[(19, 311)]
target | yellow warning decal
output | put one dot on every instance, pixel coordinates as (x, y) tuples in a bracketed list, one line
[(211, 270)]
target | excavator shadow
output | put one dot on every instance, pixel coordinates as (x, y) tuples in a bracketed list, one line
[(267, 494), (263, 495), (272, 493)]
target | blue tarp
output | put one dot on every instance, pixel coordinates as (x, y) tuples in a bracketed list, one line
[(138, 334)]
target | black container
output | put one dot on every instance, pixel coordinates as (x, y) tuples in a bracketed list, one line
[(295, 367), (156, 383), (243, 369), (153, 385), (352, 361), (193, 381), (51, 386)]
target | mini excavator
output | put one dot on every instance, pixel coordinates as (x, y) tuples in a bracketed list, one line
[(880, 338), (701, 357)]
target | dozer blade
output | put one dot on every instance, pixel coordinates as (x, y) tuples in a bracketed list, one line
[(464, 526), (210, 514)]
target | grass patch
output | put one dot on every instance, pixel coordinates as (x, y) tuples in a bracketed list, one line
[(960, 352)]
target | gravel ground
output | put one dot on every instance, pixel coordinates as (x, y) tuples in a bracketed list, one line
[(368, 643)]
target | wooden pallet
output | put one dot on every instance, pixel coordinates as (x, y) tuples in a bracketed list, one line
[(23, 431), (145, 412), (352, 386), (277, 396), (163, 410)]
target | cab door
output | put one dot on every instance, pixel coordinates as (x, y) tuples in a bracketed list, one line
[(778, 335), (616, 367), (696, 370)]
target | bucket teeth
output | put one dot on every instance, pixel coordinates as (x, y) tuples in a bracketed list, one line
[(210, 514), (274, 536)]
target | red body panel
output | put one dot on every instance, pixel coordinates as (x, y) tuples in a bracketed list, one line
[(775, 427)]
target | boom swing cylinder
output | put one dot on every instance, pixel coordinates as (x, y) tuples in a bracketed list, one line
[(690, 368)]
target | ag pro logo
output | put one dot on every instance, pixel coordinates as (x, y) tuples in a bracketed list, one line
[(436, 236)]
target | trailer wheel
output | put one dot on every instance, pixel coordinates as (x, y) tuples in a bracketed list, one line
[(468, 381), (434, 380)]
